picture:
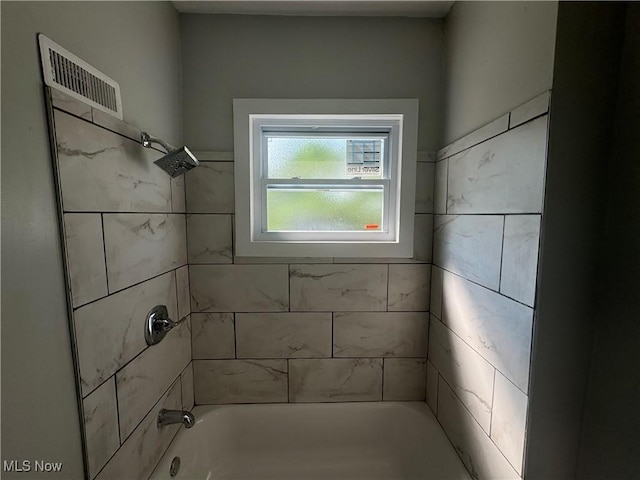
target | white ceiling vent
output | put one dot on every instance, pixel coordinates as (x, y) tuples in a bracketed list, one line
[(75, 77)]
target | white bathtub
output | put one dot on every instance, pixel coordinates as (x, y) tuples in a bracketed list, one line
[(384, 440)]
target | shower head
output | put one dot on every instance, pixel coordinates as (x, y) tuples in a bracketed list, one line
[(177, 160)]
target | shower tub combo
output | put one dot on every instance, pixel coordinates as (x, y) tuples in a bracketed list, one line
[(366, 441)]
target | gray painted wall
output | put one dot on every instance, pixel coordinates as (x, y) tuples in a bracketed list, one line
[(583, 100), (136, 43), (610, 445), (226, 57), (497, 56)]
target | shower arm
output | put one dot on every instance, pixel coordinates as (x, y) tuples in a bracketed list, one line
[(147, 140)]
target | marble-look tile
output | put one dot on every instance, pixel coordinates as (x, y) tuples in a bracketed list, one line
[(212, 335), (210, 188), (470, 375), (85, 257), (69, 104), (140, 246), (469, 245), (496, 327), (508, 420), (281, 260), (520, 257), (404, 379), (409, 288), (478, 453), (335, 380), (182, 286), (435, 307), (119, 126), (490, 130), (141, 452), (283, 335), (209, 239), (426, 156), (178, 195), (530, 110), (141, 382), (240, 381), (380, 334), (186, 381), (101, 171), (432, 387), (109, 332), (338, 287), (440, 187), (101, 426), (502, 175), (239, 288), (212, 156), (424, 187)]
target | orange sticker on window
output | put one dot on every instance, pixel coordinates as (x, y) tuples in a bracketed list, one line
[(371, 226)]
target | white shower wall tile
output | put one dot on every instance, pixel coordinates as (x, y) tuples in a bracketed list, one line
[(209, 238), (186, 382), (182, 287), (440, 187), (426, 157), (342, 287), (239, 288), (210, 188), (335, 380), (140, 246), (212, 335), (101, 426), (469, 245), (404, 379), (110, 122), (101, 171), (508, 420), (240, 381), (529, 110), (85, 257), (214, 156), (380, 334), (432, 387), (424, 187), (283, 335), (69, 104), (409, 288), (141, 382), (178, 195), (490, 130), (109, 331), (520, 257), (435, 307)]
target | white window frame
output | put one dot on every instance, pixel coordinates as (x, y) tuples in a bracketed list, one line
[(252, 117)]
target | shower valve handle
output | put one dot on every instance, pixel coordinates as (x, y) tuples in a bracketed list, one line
[(157, 324)]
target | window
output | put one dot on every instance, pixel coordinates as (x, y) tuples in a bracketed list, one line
[(325, 177)]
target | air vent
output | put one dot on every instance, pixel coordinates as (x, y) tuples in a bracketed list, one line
[(64, 71)]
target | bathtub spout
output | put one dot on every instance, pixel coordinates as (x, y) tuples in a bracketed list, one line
[(169, 417)]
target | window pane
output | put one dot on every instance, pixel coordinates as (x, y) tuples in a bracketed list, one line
[(324, 210), (325, 157)]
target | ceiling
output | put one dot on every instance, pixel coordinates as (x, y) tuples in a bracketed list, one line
[(394, 8)]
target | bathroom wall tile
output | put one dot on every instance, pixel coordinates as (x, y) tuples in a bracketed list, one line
[(85, 257), (432, 387), (141, 382), (110, 122), (502, 175), (283, 335), (212, 156), (101, 426), (508, 420), (380, 334), (239, 288), (182, 287), (426, 157), (338, 287), (335, 380), (440, 187), (529, 110), (209, 239), (520, 257), (404, 379), (102, 171), (435, 307), (212, 335), (140, 246), (496, 327), (109, 331), (479, 454), (470, 245), (142, 451), (178, 195), (69, 104), (186, 382), (210, 188), (470, 376), (280, 260), (240, 381), (424, 187), (492, 129), (409, 288)]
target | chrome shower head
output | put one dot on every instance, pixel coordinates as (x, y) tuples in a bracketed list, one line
[(176, 161)]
